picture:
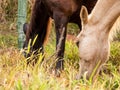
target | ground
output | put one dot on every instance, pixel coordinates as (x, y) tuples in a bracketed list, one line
[(15, 74)]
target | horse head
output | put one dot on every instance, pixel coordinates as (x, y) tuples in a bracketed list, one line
[(25, 44), (93, 48)]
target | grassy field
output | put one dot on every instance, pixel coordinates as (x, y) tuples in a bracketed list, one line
[(16, 75)]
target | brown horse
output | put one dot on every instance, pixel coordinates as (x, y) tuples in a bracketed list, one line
[(62, 11), (93, 40)]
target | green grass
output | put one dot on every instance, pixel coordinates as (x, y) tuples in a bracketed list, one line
[(8, 40), (16, 75)]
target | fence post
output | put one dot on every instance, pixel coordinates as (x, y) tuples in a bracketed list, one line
[(22, 12)]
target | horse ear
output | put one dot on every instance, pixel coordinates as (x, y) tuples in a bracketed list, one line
[(84, 15), (25, 27)]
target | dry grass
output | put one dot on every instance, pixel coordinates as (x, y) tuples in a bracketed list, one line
[(16, 75)]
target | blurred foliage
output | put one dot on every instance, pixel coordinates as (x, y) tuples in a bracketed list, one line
[(115, 53), (73, 29), (8, 10), (29, 9), (117, 36)]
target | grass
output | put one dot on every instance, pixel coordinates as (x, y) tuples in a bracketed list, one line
[(16, 75)]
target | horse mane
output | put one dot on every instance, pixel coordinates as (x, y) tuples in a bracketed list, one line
[(114, 29), (109, 11)]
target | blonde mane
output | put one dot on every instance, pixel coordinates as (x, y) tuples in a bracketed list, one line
[(104, 11), (114, 29), (110, 9)]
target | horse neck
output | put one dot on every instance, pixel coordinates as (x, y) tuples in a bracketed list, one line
[(105, 13)]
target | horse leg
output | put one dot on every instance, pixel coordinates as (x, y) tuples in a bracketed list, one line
[(61, 27), (37, 29)]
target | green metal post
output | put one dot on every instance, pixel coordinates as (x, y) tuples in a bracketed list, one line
[(22, 12)]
